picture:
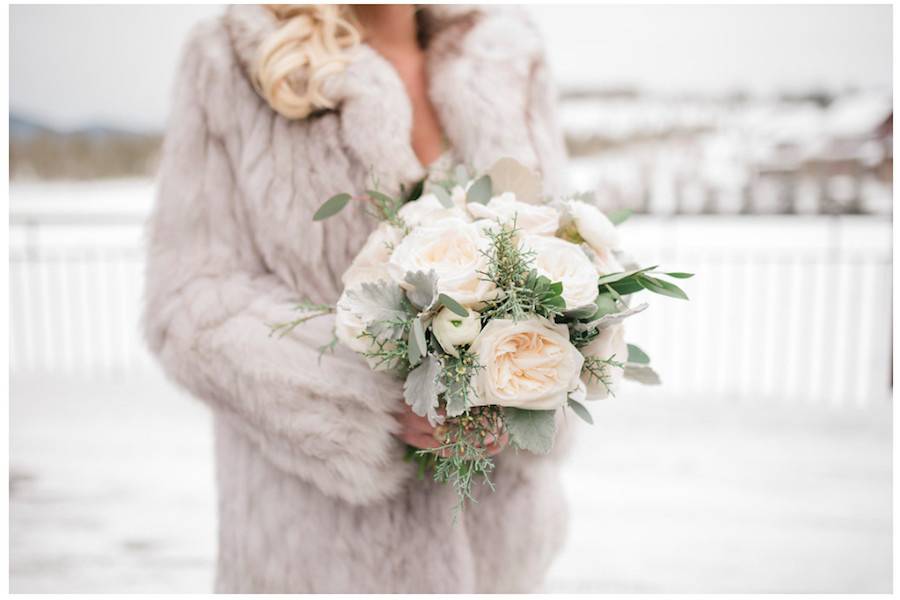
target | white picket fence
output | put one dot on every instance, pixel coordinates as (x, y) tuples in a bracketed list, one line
[(793, 309)]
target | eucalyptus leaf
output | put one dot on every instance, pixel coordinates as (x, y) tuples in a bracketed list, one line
[(579, 409), (424, 288), (637, 356), (452, 305), (619, 216), (443, 196), (422, 387), (531, 430), (480, 191), (679, 275), (658, 286), (642, 374), (331, 207), (462, 174)]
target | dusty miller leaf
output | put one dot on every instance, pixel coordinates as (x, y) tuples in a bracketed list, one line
[(480, 191), (531, 430), (424, 291), (642, 374), (609, 318), (382, 304), (422, 387)]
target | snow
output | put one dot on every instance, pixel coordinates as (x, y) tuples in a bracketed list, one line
[(111, 490)]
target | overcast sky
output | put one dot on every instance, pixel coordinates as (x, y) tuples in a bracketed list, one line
[(71, 65)]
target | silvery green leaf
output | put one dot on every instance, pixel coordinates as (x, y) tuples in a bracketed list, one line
[(642, 374), (461, 174), (382, 304), (613, 277), (531, 430), (480, 191), (582, 312), (637, 356), (422, 387), (424, 291), (509, 175), (609, 319), (679, 275), (579, 409), (331, 207), (442, 196)]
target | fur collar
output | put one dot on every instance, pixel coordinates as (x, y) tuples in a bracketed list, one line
[(479, 62)]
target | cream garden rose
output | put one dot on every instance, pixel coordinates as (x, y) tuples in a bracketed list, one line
[(565, 262), (529, 218), (609, 344), (452, 330), (528, 364), (454, 249), (374, 254), (427, 210)]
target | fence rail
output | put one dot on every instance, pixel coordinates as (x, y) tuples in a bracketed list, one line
[(794, 309)]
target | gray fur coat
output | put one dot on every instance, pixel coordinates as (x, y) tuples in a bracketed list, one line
[(314, 495)]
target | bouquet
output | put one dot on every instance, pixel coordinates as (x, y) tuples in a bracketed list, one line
[(499, 307)]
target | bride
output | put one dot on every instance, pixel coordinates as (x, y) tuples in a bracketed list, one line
[(276, 108)]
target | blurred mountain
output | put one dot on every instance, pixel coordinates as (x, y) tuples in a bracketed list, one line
[(40, 151)]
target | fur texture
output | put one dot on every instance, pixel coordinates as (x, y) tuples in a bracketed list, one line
[(313, 493)]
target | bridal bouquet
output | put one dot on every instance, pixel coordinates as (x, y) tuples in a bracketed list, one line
[(498, 307)]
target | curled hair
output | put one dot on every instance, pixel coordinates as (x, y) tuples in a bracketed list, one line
[(311, 43)]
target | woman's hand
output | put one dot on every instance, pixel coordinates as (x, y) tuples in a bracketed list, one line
[(418, 432)]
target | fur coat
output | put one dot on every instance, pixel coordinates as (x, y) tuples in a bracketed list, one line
[(314, 494)]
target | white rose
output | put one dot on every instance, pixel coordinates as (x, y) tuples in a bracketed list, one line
[(455, 250), (374, 253), (529, 218), (452, 330), (526, 364), (595, 227), (565, 262), (427, 209), (609, 344)]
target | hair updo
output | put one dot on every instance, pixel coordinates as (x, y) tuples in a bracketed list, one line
[(312, 42)]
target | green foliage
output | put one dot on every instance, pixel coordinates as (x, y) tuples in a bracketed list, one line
[(456, 378), (642, 374), (480, 190), (424, 288), (637, 356), (579, 409), (384, 305), (331, 207), (310, 310), (452, 305), (600, 369), (523, 291), (416, 346), (629, 282), (619, 216), (531, 430)]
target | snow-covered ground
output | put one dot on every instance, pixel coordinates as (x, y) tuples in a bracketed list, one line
[(111, 490)]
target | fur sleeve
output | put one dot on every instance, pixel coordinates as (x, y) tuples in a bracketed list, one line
[(208, 300)]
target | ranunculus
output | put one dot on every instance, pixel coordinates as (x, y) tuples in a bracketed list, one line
[(598, 231), (529, 218), (609, 344), (427, 209), (455, 250), (452, 330), (565, 262), (527, 364), (374, 253)]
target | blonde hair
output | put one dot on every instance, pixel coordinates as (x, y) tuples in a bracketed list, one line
[(311, 43)]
